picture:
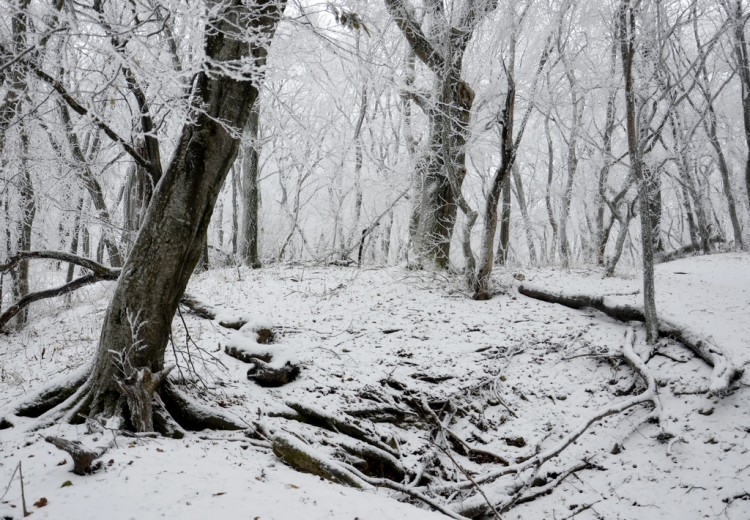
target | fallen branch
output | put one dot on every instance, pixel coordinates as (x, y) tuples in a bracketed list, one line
[(687, 250), (208, 312), (724, 369)]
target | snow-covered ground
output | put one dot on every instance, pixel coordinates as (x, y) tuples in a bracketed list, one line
[(358, 331)]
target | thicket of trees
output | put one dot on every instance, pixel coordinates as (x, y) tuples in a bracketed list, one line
[(352, 132)]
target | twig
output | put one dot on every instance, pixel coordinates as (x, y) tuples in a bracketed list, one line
[(23, 493), (476, 486), (18, 470)]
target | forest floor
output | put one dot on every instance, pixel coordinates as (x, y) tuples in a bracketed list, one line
[(361, 331)]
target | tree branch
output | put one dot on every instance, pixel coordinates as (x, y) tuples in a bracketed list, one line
[(104, 272), (84, 112), (403, 15), (14, 309)]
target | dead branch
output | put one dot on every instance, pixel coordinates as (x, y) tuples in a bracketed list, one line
[(724, 369), (138, 389)]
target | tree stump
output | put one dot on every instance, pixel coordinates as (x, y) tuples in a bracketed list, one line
[(82, 457)]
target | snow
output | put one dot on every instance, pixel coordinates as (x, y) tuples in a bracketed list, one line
[(543, 368)]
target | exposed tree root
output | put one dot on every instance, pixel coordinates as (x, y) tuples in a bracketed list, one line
[(330, 422), (476, 505), (192, 416), (724, 370), (170, 411), (333, 446), (301, 457)]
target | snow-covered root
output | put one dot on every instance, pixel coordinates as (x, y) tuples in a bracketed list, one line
[(69, 400), (725, 371), (502, 495), (47, 405), (350, 452)]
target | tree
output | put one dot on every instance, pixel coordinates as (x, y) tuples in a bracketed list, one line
[(130, 358), (440, 43), (636, 149)]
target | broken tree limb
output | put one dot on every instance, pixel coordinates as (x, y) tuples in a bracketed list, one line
[(98, 273), (269, 376), (724, 370), (82, 456)]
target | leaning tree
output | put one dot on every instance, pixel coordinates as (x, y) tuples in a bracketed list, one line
[(129, 366)]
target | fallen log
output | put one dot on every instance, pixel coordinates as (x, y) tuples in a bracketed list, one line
[(724, 370)]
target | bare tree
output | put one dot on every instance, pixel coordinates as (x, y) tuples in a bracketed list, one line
[(129, 366), (448, 108), (636, 148)]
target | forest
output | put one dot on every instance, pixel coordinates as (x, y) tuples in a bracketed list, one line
[(399, 258)]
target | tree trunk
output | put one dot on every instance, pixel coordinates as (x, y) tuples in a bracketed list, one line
[(743, 69), (504, 241), (602, 231), (521, 199), (548, 193), (251, 193), (577, 105), (627, 30), (448, 112), (710, 127), (137, 323), (23, 240)]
